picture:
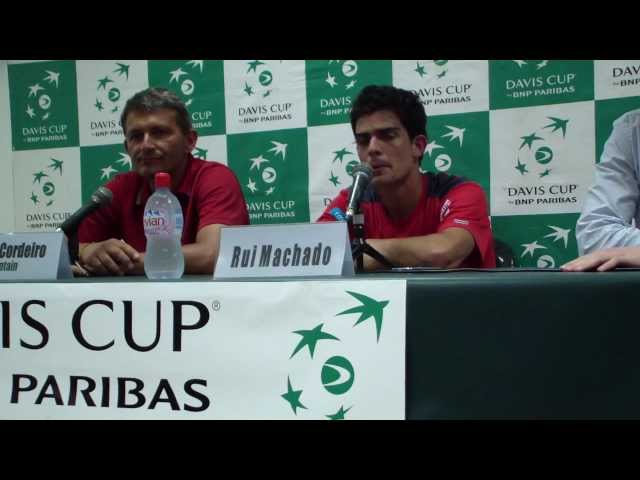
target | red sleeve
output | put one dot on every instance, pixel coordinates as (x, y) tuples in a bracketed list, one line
[(465, 206), (339, 202), (104, 223), (220, 198)]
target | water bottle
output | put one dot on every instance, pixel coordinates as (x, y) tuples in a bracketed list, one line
[(163, 228)]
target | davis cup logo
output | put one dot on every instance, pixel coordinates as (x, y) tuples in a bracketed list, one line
[(43, 187), (258, 79), (545, 260), (109, 89), (342, 74), (536, 155), (343, 163), (263, 169), (442, 161), (119, 165), (433, 69), (182, 81), (337, 374), (40, 96)]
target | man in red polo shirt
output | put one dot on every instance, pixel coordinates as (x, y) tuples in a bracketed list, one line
[(159, 138), (411, 218)]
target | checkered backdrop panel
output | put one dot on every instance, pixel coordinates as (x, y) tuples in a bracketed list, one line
[(528, 131)]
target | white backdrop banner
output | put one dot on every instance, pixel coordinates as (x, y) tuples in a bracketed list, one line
[(296, 350)]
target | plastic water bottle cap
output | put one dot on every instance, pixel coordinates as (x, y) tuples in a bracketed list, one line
[(163, 180)]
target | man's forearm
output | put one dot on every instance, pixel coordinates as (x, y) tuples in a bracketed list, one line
[(435, 250)]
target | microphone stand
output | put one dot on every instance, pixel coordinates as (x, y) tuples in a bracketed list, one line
[(360, 246)]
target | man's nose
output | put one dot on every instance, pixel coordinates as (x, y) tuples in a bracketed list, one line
[(374, 144), (147, 141)]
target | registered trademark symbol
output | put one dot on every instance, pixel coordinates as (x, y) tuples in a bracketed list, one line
[(216, 305)]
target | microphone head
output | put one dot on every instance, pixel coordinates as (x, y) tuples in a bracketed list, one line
[(102, 196), (362, 169)]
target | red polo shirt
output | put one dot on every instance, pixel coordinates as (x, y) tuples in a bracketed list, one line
[(209, 193), (448, 201)]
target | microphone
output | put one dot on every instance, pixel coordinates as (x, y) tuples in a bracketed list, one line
[(338, 214), (361, 177), (102, 196)]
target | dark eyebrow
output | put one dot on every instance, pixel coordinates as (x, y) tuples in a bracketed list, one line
[(380, 131)]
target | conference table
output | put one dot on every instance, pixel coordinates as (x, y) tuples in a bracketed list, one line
[(513, 343)]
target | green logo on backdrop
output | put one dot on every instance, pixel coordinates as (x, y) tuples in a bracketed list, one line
[(99, 164), (109, 89), (459, 145), (44, 105), (333, 84), (540, 241), (432, 69), (44, 181), (343, 161), (525, 83), (535, 156), (273, 170), (337, 373), (258, 79), (200, 85)]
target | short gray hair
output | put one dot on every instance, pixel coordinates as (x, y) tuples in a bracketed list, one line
[(154, 98)]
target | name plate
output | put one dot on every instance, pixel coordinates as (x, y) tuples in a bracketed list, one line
[(284, 250), (34, 256)]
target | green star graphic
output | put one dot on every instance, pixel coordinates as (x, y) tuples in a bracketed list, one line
[(34, 198), (114, 109), (254, 65), (529, 139), (333, 179), (103, 82), (98, 105), (521, 167), (122, 70), (545, 173), (293, 397), (440, 75), (420, 70), (247, 89), (266, 94), (339, 415), (339, 154), (56, 165), (37, 177), (310, 339), (369, 308), (558, 124)]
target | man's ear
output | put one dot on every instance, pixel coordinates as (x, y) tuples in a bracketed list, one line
[(419, 144), (191, 140)]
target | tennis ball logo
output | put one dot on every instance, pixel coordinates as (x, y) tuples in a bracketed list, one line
[(187, 87), (546, 261), (269, 175), (443, 162), (349, 68), (114, 94), (265, 78), (544, 155), (44, 102), (48, 189), (337, 375)]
